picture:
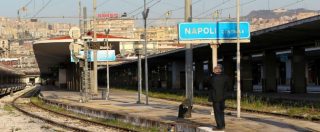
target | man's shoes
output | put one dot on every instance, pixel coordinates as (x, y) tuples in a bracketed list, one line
[(218, 128), (222, 128)]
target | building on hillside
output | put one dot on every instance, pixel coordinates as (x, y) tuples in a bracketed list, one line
[(118, 25), (260, 23), (59, 29), (4, 48), (25, 55), (164, 37), (31, 29)]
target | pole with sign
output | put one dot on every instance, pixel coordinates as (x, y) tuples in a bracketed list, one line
[(107, 31), (188, 63), (76, 55), (216, 33)]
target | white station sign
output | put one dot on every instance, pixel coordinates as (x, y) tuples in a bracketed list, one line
[(75, 33)]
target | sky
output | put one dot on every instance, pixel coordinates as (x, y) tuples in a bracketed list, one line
[(158, 8)]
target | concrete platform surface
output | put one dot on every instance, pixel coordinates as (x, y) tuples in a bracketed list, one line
[(124, 102)]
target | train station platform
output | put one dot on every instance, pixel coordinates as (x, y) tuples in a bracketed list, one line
[(124, 103)]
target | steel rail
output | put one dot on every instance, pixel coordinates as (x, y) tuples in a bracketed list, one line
[(34, 92)]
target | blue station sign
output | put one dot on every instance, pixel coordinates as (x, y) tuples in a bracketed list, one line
[(102, 55), (213, 31)]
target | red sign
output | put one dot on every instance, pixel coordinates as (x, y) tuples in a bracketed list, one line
[(9, 63), (108, 15)]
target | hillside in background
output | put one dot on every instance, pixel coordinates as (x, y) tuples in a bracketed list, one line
[(261, 19), (276, 14)]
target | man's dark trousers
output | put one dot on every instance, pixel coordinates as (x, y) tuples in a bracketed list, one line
[(218, 108), (219, 85)]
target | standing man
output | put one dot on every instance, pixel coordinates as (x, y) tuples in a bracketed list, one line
[(219, 84)]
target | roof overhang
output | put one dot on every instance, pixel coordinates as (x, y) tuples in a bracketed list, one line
[(298, 33), (53, 52)]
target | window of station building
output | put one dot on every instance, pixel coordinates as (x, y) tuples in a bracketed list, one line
[(313, 72), (282, 74), (257, 77)]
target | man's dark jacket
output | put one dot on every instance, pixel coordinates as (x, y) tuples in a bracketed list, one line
[(218, 87)]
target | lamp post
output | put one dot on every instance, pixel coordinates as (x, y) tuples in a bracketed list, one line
[(105, 94), (238, 62), (145, 16), (138, 50)]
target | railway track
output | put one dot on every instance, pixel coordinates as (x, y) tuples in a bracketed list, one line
[(24, 105)]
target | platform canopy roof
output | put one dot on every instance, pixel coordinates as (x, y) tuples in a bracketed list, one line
[(297, 33), (54, 51)]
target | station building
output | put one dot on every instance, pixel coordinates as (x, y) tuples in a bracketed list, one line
[(282, 58)]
